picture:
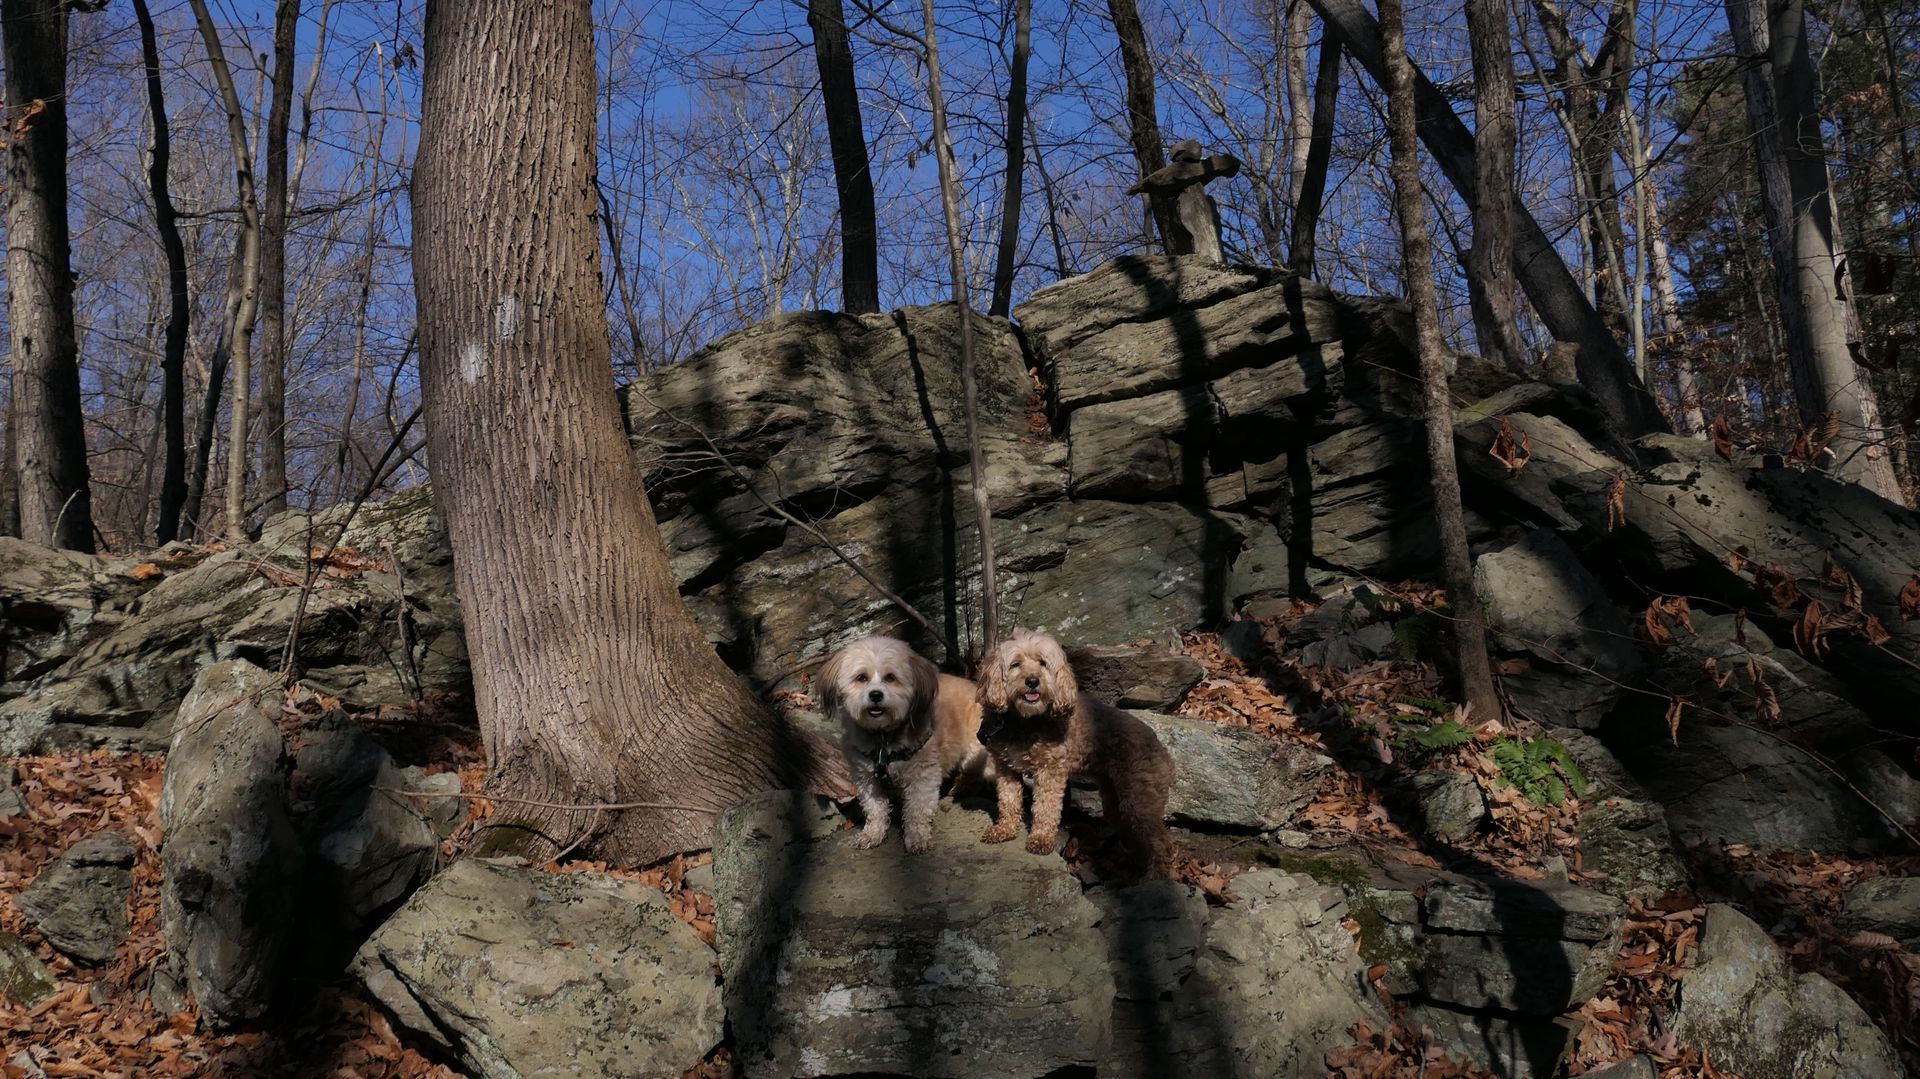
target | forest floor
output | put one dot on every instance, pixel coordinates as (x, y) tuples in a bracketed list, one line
[(99, 1022)]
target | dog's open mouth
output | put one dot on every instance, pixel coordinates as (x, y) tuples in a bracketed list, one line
[(1031, 696), (876, 713)]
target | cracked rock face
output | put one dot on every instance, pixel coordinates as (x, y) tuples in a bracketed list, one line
[(969, 960), (79, 903), (524, 974), (1759, 1017)]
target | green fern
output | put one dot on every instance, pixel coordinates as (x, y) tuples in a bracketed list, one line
[(1418, 741), (1410, 635), (1541, 770), (1430, 705)]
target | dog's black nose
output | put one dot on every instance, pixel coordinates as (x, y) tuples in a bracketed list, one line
[(876, 696), (1033, 681)]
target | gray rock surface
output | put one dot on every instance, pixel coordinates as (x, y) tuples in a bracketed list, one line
[(369, 848), (124, 678), (1229, 777), (1758, 1017), (1509, 1046), (1543, 604), (11, 804), (1451, 805), (1135, 676), (23, 978), (526, 975), (1889, 906), (231, 862), (79, 901), (972, 959), (1275, 984)]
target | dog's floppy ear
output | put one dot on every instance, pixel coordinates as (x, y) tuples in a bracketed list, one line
[(926, 684), (1066, 688), (996, 690), (826, 684)]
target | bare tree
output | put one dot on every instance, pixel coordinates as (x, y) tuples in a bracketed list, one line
[(166, 220), (853, 175), (1569, 315), (1469, 624), (1016, 160), (608, 720), (1313, 176), (1810, 267), (240, 338), (1490, 258), (49, 455), (273, 265), (1143, 119)]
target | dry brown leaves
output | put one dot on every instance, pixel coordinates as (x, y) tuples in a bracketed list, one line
[(1629, 1014), (1507, 451), (1722, 433), (1662, 612), (1617, 501), (1910, 599), (1394, 1053), (98, 1022)]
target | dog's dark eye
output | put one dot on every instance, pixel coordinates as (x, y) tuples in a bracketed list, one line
[(861, 677)]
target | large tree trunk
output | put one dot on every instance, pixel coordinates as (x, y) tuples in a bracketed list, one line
[(1313, 180), (49, 458), (273, 266), (594, 684), (1556, 297), (1490, 259), (1804, 236), (1143, 118), (852, 175), (173, 363), (211, 393), (1016, 161), (1469, 625), (240, 337)]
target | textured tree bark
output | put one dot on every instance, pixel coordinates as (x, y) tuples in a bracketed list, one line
[(594, 684), (1016, 161), (173, 363), (1808, 262), (1557, 299), (49, 458), (240, 338), (1313, 183), (211, 393), (852, 175), (1469, 625), (9, 480), (1143, 119), (1293, 59), (1490, 259), (273, 266)]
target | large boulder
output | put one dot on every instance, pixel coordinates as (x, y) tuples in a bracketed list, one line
[(368, 847), (79, 902), (49, 601), (24, 979), (1744, 1004), (972, 959), (231, 862), (523, 974), (1135, 676), (1263, 988), (1889, 906), (381, 628), (1228, 777), (1544, 605), (1732, 773)]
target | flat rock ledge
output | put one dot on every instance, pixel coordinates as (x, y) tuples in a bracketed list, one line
[(526, 975)]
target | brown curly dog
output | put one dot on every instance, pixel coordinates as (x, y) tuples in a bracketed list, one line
[(1036, 723)]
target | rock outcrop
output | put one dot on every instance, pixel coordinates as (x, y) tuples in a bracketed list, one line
[(522, 974), (231, 862), (79, 902), (1760, 1018), (972, 959)]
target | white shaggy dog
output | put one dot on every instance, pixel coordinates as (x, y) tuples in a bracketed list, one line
[(903, 723)]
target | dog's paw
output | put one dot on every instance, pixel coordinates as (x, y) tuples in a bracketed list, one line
[(1040, 844), (917, 843), (869, 838), (999, 833)]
